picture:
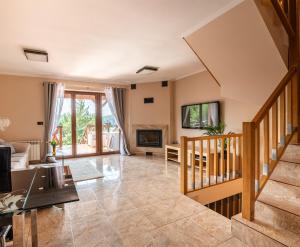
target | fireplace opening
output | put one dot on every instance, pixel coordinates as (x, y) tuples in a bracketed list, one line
[(149, 138)]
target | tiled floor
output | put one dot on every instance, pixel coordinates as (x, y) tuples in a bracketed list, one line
[(137, 203)]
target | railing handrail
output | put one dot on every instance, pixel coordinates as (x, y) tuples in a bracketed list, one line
[(217, 159), (199, 138), (282, 107), (273, 97), (282, 16)]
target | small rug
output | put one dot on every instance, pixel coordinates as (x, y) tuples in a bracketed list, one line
[(83, 170)]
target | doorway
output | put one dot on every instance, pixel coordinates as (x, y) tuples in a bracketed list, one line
[(87, 127)]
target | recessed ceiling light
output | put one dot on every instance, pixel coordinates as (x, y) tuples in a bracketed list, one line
[(36, 55), (147, 70)]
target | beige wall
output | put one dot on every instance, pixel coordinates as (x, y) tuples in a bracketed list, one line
[(240, 52), (22, 100), (201, 87), (158, 113)]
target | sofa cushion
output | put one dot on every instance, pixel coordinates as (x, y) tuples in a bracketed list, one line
[(18, 166), (18, 154), (17, 158)]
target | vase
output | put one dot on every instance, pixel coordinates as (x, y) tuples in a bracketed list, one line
[(54, 150)]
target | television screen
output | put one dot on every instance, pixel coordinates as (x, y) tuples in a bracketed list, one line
[(199, 116)]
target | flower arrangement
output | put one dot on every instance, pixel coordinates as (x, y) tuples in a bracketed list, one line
[(53, 144)]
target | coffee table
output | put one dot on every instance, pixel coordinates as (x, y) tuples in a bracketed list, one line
[(33, 189)]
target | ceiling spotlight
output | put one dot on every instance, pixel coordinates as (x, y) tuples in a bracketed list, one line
[(36, 55), (147, 70)]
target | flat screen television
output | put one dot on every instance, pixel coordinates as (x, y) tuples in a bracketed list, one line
[(201, 115)]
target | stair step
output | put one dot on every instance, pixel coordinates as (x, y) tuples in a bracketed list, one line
[(282, 196), (292, 153), (274, 217), (287, 172), (254, 233)]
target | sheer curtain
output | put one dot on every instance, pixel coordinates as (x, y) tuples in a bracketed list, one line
[(54, 98), (116, 102)]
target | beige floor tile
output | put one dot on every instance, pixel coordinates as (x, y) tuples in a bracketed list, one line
[(215, 224), (182, 233), (77, 210), (116, 204), (131, 224), (232, 242), (137, 203), (86, 195)]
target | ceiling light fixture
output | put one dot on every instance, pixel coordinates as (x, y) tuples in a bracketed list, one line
[(36, 55), (147, 70)]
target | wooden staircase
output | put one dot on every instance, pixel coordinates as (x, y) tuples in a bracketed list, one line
[(277, 209), (270, 154), (271, 164)]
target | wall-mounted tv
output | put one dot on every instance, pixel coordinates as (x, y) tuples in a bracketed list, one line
[(201, 115)]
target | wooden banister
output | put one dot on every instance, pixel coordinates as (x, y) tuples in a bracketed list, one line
[(274, 96), (183, 165), (214, 161), (248, 196), (284, 19), (198, 138), (284, 108)]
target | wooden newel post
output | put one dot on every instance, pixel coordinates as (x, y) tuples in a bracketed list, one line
[(248, 198), (183, 165)]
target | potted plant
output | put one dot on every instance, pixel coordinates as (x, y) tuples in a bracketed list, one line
[(53, 144), (218, 130)]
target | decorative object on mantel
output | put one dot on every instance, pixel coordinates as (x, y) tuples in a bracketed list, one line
[(4, 123)]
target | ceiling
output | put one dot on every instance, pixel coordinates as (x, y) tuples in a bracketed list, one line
[(103, 40)]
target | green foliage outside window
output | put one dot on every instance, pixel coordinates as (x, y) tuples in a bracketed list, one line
[(83, 119)]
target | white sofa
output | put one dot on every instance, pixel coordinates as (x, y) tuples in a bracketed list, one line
[(20, 159)]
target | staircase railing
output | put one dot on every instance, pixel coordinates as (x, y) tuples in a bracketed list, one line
[(209, 160), (268, 134)]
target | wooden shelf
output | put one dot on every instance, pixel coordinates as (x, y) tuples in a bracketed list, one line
[(172, 152), (173, 159)]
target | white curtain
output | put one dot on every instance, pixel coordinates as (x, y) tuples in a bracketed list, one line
[(116, 102), (54, 98), (59, 100)]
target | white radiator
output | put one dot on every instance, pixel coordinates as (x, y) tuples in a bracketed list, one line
[(35, 149)]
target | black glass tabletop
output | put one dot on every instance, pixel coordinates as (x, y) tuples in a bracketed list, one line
[(36, 188)]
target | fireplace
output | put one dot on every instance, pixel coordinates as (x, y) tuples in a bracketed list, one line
[(149, 138)]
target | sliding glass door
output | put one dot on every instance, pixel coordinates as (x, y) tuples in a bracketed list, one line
[(87, 126)]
